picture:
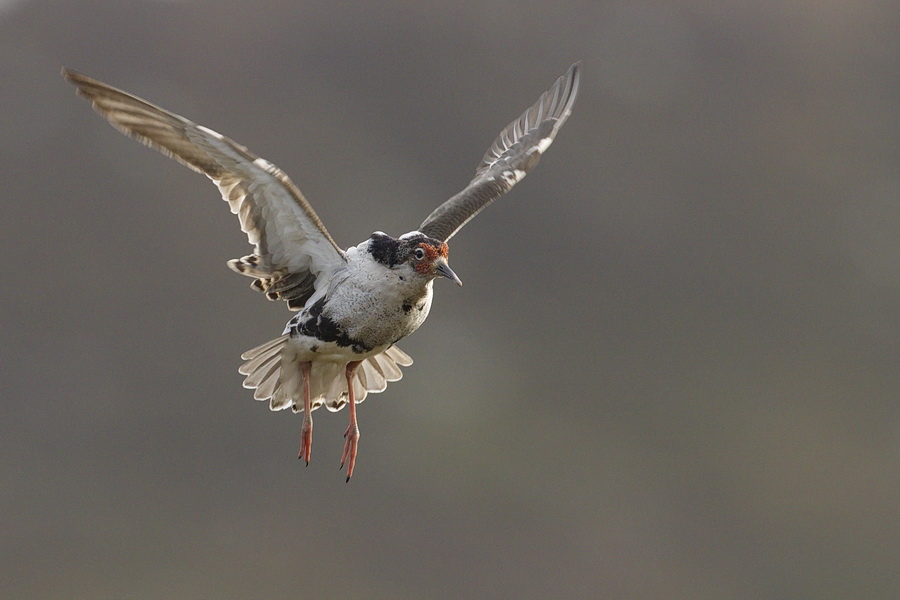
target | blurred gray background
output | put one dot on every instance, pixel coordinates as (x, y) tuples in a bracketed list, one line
[(672, 372)]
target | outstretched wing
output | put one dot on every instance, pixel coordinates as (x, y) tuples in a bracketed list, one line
[(292, 247), (516, 151)]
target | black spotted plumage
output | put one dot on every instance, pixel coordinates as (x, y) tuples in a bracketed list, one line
[(324, 329)]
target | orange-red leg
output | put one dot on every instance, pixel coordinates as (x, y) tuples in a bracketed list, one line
[(352, 433), (306, 428)]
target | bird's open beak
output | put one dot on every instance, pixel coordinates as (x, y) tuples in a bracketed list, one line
[(444, 270)]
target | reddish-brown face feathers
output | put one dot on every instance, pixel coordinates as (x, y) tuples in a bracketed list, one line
[(432, 253)]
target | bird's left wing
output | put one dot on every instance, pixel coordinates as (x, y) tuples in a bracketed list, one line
[(516, 151), (292, 246)]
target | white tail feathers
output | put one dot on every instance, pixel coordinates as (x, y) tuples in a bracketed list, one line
[(273, 371)]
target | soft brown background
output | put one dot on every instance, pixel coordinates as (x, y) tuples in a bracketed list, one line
[(672, 372)]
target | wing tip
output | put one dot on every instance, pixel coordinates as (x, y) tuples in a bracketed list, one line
[(568, 85), (574, 73), (574, 70), (74, 77), (70, 74)]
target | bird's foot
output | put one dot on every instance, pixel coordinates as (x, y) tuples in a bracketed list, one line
[(350, 445), (306, 438)]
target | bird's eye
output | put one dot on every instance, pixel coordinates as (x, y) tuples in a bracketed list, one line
[(419, 253)]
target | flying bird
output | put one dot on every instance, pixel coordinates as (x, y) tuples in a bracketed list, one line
[(352, 305)]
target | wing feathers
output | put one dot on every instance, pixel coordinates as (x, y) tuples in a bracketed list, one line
[(288, 235), (513, 154)]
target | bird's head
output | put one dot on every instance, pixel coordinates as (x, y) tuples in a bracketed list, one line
[(424, 256)]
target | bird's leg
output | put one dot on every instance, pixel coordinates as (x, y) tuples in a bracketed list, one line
[(352, 433), (306, 428)]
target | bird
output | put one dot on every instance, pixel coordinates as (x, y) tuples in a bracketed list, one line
[(352, 306)]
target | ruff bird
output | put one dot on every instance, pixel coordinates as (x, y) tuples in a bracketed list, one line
[(353, 305)]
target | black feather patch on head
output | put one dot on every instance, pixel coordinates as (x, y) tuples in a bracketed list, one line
[(391, 252), (384, 248)]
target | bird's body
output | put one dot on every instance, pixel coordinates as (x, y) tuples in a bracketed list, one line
[(358, 315), (379, 303), (354, 305)]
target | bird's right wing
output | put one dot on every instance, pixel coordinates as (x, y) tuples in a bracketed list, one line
[(292, 246), (516, 151)]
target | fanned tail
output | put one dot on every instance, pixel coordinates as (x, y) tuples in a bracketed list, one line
[(273, 371)]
